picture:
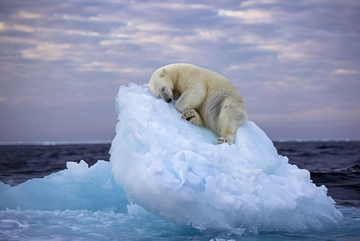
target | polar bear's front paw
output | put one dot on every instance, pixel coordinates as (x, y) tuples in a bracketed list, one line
[(188, 114), (222, 140)]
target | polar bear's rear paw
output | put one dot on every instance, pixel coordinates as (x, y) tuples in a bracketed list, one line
[(228, 140), (188, 114), (222, 140)]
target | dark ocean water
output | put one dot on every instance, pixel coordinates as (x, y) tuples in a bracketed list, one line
[(335, 164), (19, 163)]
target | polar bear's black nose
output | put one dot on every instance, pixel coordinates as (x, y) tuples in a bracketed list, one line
[(169, 100)]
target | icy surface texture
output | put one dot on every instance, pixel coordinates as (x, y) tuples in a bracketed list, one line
[(77, 187), (175, 170)]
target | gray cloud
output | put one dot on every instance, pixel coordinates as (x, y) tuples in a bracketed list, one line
[(61, 63)]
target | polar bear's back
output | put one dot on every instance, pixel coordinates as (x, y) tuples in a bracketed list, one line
[(192, 73)]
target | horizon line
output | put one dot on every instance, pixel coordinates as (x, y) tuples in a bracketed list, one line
[(53, 143)]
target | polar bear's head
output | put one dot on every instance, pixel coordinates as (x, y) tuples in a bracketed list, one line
[(161, 85)]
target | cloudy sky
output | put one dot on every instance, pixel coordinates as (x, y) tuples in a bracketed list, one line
[(297, 63)]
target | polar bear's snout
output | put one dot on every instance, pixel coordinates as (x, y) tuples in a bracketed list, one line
[(166, 95)]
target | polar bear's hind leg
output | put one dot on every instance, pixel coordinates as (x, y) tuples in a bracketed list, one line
[(230, 118)]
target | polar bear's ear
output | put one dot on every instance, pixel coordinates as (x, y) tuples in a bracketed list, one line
[(163, 73)]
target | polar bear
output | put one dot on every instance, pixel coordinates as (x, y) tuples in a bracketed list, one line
[(203, 97)]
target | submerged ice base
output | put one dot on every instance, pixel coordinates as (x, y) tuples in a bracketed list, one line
[(176, 170)]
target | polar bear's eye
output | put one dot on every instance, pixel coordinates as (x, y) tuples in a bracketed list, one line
[(163, 88)]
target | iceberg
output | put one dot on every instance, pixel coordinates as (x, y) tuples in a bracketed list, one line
[(79, 187), (176, 170)]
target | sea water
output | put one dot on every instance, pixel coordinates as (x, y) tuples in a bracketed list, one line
[(167, 179)]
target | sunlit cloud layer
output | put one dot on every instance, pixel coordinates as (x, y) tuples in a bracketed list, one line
[(62, 62)]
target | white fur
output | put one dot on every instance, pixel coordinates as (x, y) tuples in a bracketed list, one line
[(203, 97)]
